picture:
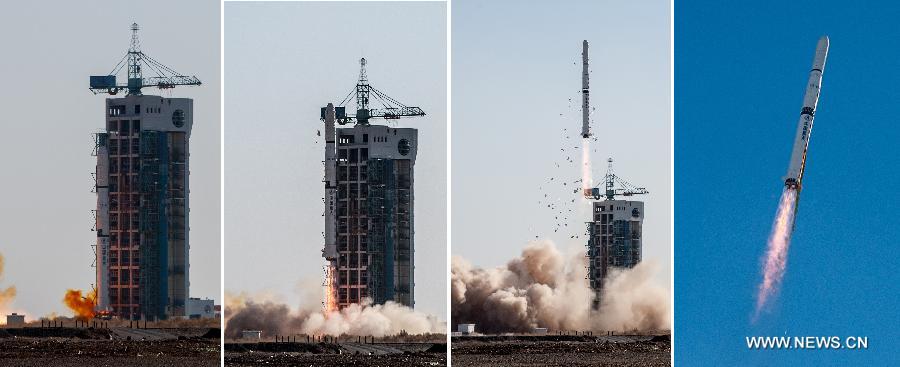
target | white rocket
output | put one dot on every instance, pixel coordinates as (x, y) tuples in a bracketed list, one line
[(807, 114), (585, 92), (330, 250), (102, 185)]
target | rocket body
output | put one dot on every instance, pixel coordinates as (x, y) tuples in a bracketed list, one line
[(794, 176), (330, 250), (585, 92), (102, 174)]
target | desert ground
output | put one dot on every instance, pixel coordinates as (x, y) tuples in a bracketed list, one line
[(66, 346), (561, 350)]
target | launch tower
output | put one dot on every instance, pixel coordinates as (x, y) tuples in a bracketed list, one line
[(369, 222), (142, 192)]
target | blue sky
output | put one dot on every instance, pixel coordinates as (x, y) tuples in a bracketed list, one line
[(740, 74)]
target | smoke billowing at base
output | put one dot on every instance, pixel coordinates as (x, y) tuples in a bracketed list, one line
[(263, 313), (776, 256), (8, 294), (544, 288)]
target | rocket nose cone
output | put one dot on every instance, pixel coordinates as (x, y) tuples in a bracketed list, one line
[(823, 43), (821, 54)]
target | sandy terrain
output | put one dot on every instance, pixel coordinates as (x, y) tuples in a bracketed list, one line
[(64, 347), (637, 350), (336, 354)]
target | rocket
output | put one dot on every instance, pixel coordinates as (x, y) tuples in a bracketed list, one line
[(102, 216), (330, 250), (794, 176), (585, 92)]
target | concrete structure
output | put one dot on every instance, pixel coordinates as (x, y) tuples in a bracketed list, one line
[(614, 239), (15, 320), (200, 308), (373, 214), (251, 334), (539, 331), (465, 329), (142, 207)]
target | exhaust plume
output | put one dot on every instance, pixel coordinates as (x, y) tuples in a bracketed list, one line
[(330, 288), (587, 182), (778, 244), (82, 306), (543, 288), (6, 295), (271, 317)]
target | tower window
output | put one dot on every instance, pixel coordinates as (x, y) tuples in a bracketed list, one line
[(403, 147), (178, 118)]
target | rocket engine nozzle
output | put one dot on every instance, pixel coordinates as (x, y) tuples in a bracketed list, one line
[(792, 183)]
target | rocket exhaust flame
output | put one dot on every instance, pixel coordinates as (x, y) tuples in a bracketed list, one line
[(81, 306), (586, 181), (778, 244), (330, 304)]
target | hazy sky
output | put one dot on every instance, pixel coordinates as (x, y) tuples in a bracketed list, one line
[(516, 65), (742, 69), (49, 50), (283, 62)]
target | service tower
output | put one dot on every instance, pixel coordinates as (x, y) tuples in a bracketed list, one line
[(369, 185), (142, 181)]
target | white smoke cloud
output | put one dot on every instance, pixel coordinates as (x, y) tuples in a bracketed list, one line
[(264, 312), (544, 288)]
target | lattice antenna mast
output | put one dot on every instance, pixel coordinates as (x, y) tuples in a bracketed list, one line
[(362, 86), (610, 180), (362, 93), (134, 61)]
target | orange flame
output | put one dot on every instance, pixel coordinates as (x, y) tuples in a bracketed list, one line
[(82, 306), (330, 303)]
